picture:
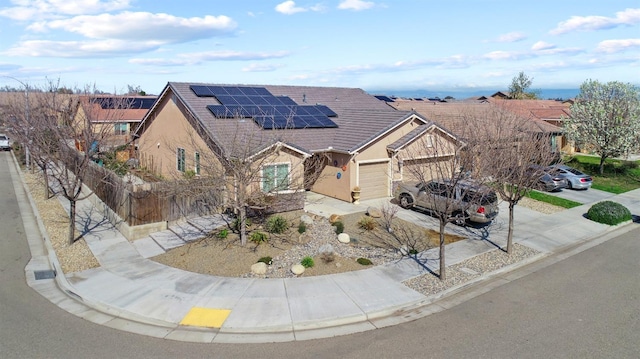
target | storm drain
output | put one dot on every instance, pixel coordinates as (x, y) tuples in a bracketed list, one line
[(44, 274)]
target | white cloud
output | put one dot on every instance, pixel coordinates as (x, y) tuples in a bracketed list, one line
[(502, 55), (196, 58), (289, 8), (79, 49), (261, 68), (541, 45), (356, 5), (141, 26), (592, 23), (612, 46), (511, 37), (47, 9)]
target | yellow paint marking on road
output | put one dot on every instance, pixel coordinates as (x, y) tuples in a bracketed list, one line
[(205, 317)]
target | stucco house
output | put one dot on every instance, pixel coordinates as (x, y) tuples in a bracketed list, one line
[(112, 118), (324, 139)]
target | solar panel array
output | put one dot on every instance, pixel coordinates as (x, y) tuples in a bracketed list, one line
[(267, 110), (120, 103)]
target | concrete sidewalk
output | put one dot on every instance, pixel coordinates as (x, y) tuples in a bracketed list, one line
[(130, 292)]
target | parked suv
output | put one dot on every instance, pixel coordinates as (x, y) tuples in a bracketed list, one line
[(469, 201)]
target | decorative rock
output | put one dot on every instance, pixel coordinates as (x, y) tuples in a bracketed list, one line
[(297, 269), (404, 250), (374, 212), (259, 268), (334, 218), (344, 238), (326, 248), (306, 219)]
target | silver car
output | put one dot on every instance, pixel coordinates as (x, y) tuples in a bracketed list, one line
[(575, 179), (469, 202)]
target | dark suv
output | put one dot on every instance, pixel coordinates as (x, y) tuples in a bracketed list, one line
[(469, 201)]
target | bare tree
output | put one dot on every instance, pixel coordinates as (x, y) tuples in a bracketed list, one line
[(66, 134), (442, 180), (513, 152)]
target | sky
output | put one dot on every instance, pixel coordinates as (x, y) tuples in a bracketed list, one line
[(380, 46)]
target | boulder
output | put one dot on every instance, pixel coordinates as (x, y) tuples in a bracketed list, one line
[(326, 248), (306, 219), (334, 218), (374, 212), (297, 269), (259, 268), (344, 238)]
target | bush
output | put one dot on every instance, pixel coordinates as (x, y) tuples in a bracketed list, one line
[(339, 226), (307, 262), (258, 237), (608, 212), (223, 233), (364, 261), (266, 260), (302, 227), (367, 223), (277, 224)]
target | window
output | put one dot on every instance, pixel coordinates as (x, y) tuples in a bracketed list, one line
[(428, 141), (275, 177), (197, 163), (180, 159), (121, 128)]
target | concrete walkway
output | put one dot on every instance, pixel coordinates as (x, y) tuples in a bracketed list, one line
[(130, 292)]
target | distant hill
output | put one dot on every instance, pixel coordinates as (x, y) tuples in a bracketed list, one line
[(462, 94)]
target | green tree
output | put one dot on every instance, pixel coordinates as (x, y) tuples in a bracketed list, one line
[(519, 88), (606, 118)]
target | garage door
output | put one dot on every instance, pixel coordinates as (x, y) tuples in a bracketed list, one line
[(424, 169), (374, 180)]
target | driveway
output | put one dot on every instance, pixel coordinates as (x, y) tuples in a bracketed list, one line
[(583, 196)]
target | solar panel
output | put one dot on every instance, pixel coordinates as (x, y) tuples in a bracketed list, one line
[(267, 110)]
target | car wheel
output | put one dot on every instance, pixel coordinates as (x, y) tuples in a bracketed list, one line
[(569, 185), (406, 201), (459, 219)]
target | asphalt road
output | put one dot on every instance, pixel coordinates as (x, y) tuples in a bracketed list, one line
[(586, 306)]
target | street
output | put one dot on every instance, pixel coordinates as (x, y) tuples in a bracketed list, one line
[(585, 306)]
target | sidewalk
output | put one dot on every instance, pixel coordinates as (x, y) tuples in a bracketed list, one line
[(130, 292)]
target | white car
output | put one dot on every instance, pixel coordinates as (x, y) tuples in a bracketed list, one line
[(4, 143)]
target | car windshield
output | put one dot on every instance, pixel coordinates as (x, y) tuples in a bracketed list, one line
[(484, 198), (3, 137)]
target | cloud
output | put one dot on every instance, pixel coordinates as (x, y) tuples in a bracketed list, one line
[(163, 28), (541, 45), (592, 23), (48, 9), (355, 5), (196, 58), (612, 46), (261, 68), (80, 49), (511, 37), (289, 8)]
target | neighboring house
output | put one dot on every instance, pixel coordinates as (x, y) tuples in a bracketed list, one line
[(112, 117), (550, 111), (458, 115), (357, 139)]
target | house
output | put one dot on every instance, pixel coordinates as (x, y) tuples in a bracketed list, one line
[(111, 117), (325, 139)]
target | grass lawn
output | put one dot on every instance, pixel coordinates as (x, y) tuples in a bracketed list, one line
[(556, 201), (619, 176)]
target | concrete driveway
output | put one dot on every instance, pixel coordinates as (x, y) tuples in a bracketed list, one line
[(590, 195)]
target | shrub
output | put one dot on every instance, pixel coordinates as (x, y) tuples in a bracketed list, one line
[(277, 224), (302, 227), (258, 237), (339, 226), (367, 223), (223, 233), (608, 212), (307, 262), (413, 251), (189, 174), (364, 261), (266, 260)]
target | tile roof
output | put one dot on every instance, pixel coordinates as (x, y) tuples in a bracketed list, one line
[(360, 118)]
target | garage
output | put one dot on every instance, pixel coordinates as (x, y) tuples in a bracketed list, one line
[(424, 169), (374, 180)]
